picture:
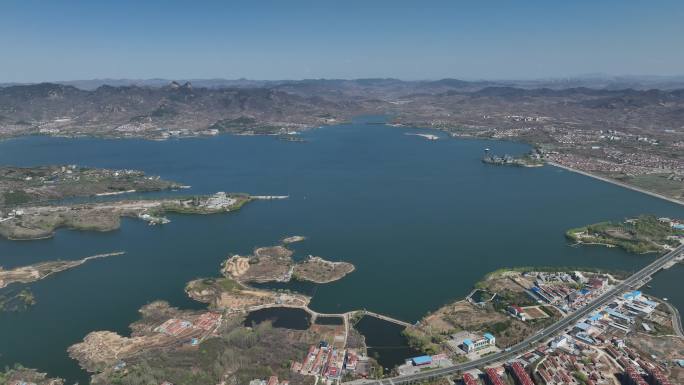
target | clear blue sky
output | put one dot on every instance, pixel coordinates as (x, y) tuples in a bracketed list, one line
[(291, 39)]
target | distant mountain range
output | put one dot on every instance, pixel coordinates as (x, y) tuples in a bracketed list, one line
[(597, 81), (158, 108)]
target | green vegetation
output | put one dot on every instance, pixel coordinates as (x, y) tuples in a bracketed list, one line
[(355, 318), (176, 208), (13, 301), (644, 234), (20, 374), (482, 284), (581, 377), (224, 283), (500, 327), (31, 185), (506, 298), (429, 344), (17, 197), (665, 184)]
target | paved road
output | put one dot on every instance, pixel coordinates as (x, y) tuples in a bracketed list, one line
[(633, 282), (676, 320)]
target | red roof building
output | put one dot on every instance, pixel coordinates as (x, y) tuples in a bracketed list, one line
[(520, 374), (468, 379), (493, 377)]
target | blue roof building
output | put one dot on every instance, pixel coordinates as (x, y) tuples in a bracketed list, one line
[(489, 337), (618, 315), (583, 326), (421, 360)]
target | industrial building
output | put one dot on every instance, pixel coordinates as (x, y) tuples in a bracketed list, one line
[(473, 346)]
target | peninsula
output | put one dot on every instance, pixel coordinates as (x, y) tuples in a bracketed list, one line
[(643, 234), (42, 270), (202, 346), (31, 185), (37, 222)]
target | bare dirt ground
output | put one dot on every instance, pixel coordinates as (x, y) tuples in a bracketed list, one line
[(266, 264), (275, 263), (234, 297), (319, 270), (102, 349), (665, 347), (534, 312), (462, 315)]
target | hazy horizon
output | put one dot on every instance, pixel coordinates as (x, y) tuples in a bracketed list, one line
[(273, 40), (541, 79)]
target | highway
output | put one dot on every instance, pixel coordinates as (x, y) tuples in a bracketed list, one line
[(633, 282)]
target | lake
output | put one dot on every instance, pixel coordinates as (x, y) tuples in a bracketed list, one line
[(421, 221)]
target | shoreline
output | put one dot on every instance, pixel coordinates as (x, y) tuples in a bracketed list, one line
[(617, 183)]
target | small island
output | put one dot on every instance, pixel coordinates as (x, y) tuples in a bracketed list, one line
[(16, 300), (266, 264), (293, 239), (643, 234), (275, 264)]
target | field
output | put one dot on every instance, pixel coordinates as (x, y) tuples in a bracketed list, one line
[(534, 312)]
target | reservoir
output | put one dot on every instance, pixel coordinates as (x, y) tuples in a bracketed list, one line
[(421, 220), (385, 342)]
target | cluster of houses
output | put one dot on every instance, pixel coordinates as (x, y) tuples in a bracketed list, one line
[(203, 326), (329, 363), (273, 380)]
